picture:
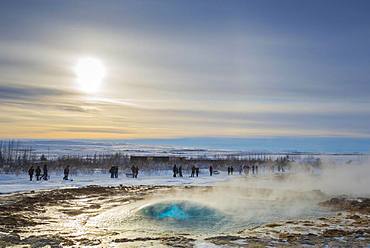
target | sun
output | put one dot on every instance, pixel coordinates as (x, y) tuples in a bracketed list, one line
[(90, 73)]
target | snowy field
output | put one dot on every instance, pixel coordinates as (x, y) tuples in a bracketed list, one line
[(11, 183), (352, 168)]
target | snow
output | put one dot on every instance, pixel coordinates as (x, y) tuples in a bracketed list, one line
[(11, 183)]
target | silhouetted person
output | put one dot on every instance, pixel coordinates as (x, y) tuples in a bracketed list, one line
[(180, 171), (45, 172), (30, 172), (38, 173), (115, 171), (197, 171), (210, 170), (133, 170), (66, 173), (228, 170), (136, 171), (174, 169), (192, 171), (231, 170), (111, 171), (256, 169), (253, 169)]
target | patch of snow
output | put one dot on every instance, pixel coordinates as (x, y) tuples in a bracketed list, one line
[(11, 183)]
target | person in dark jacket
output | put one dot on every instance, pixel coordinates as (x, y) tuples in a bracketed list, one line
[(192, 171), (231, 170), (210, 170), (228, 170), (197, 171), (38, 173), (174, 169), (115, 171), (133, 171), (111, 171), (180, 171), (30, 172), (66, 173), (136, 170), (45, 172)]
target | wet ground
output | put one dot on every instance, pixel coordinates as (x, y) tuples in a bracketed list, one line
[(163, 216)]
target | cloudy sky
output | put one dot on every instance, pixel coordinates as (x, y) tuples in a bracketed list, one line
[(185, 68)]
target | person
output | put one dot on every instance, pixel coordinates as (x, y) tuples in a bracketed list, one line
[(231, 170), (133, 170), (174, 169), (210, 170), (256, 169), (45, 172), (66, 173), (197, 171), (240, 169), (38, 173), (111, 171), (228, 170), (180, 171), (192, 171), (115, 171), (136, 171), (30, 172), (253, 169)]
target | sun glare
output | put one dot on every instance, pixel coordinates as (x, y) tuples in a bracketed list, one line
[(90, 73)]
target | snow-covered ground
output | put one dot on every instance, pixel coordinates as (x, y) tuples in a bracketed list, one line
[(11, 183)]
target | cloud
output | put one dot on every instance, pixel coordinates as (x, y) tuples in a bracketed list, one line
[(92, 130), (16, 93)]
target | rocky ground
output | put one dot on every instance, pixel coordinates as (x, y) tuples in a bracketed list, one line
[(57, 218)]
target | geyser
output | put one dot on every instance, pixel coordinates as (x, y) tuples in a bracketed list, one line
[(183, 214)]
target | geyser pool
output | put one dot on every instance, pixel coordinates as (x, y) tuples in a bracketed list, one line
[(213, 211), (183, 214)]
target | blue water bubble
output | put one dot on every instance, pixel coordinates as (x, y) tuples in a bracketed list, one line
[(183, 214)]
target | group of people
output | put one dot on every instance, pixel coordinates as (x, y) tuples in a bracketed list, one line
[(113, 172), (194, 171), (253, 169), (45, 175), (37, 173), (177, 170), (230, 170)]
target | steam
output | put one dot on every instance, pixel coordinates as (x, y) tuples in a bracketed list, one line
[(261, 199), (248, 201)]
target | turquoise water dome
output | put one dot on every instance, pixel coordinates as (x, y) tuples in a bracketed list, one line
[(183, 214), (173, 211)]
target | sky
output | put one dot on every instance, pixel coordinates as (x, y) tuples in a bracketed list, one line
[(186, 69)]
